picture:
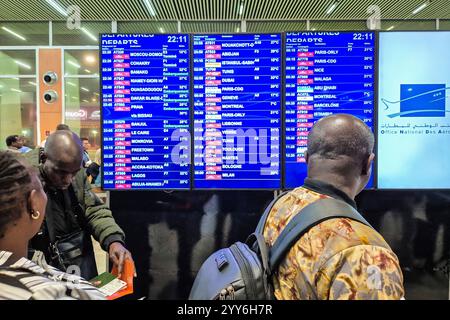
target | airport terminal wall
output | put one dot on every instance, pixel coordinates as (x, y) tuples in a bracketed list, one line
[(171, 234)]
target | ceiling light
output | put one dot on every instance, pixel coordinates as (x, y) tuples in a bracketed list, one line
[(96, 93), (84, 100), (331, 8), (241, 9), (237, 29), (161, 30), (390, 28), (76, 65), (13, 33), (313, 29), (149, 7), (84, 89), (32, 83), (16, 90), (420, 8), (86, 70), (90, 59), (71, 83), (90, 35), (58, 7), (22, 64)]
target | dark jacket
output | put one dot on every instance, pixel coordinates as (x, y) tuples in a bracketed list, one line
[(99, 219), (62, 219)]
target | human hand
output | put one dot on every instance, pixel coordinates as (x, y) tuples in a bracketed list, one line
[(118, 254)]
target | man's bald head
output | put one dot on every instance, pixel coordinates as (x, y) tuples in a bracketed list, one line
[(63, 156), (64, 146), (343, 141)]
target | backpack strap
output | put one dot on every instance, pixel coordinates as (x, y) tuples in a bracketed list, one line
[(262, 220), (308, 217)]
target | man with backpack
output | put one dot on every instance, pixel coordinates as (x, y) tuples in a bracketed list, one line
[(338, 257), (311, 242)]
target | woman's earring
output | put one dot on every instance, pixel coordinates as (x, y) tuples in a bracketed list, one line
[(35, 214)]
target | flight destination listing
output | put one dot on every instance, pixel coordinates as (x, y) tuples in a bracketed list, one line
[(145, 105), (326, 73), (237, 111)]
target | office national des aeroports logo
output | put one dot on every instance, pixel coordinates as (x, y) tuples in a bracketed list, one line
[(419, 100)]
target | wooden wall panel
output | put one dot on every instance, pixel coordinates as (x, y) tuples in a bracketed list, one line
[(50, 113)]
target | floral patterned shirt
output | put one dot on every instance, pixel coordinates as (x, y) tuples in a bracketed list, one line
[(337, 259)]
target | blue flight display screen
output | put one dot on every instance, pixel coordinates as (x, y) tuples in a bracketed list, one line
[(326, 73), (145, 111), (237, 111)]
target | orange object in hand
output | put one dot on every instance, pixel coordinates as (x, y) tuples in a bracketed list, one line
[(126, 276)]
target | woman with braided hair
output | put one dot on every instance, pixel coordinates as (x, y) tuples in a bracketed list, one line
[(22, 210)]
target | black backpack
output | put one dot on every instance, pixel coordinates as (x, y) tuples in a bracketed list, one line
[(243, 271)]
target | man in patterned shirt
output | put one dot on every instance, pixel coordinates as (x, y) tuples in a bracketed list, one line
[(339, 258)]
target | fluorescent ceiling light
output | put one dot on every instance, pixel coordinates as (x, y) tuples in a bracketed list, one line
[(90, 35), (161, 30), (390, 28), (149, 7), (90, 59), (22, 64), (313, 29), (14, 33), (237, 29), (16, 90), (32, 83), (58, 7), (86, 70), (84, 89), (71, 83), (331, 8), (74, 64), (241, 9), (84, 100), (420, 8)]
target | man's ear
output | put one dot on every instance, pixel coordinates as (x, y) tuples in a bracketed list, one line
[(367, 165)]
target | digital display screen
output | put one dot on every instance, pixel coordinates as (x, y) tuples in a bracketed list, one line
[(326, 73), (145, 111), (237, 111), (414, 110)]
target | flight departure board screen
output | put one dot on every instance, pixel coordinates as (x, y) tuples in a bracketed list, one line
[(326, 73), (237, 111), (145, 111)]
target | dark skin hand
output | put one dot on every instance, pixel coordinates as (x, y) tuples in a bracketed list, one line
[(118, 254)]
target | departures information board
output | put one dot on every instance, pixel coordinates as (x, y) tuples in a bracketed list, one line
[(237, 111), (145, 111), (326, 73)]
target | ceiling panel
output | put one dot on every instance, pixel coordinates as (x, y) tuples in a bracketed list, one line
[(135, 10)]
